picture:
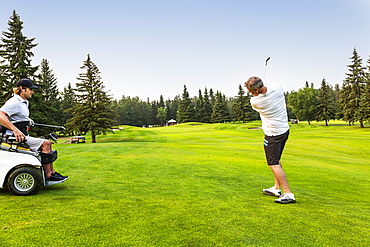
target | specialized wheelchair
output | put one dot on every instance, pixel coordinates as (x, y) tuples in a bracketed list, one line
[(21, 170)]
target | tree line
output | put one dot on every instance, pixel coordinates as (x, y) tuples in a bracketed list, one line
[(350, 103), (88, 107)]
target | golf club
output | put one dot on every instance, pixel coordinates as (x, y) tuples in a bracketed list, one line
[(52, 126), (264, 75)]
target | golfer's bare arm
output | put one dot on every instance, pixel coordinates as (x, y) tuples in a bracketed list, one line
[(4, 121)]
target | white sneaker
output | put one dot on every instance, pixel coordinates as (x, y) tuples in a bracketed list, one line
[(272, 192), (286, 198)]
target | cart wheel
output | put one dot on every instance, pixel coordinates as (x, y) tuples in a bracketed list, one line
[(24, 181)]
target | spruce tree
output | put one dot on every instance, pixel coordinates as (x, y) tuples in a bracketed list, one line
[(92, 111), (68, 101), (207, 112), (46, 102), (212, 98), (365, 96), (172, 107), (15, 50), (350, 95), (220, 112), (325, 107), (186, 112), (338, 113), (154, 112), (161, 102), (242, 109), (199, 107)]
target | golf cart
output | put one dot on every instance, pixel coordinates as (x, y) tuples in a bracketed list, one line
[(21, 170)]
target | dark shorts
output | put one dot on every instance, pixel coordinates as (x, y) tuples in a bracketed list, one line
[(274, 146)]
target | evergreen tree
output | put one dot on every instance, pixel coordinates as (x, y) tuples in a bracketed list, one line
[(4, 90), (172, 107), (92, 111), (46, 102), (212, 98), (154, 105), (186, 112), (338, 113), (68, 101), (15, 49), (325, 107), (350, 95), (161, 102), (220, 112), (242, 109), (365, 100), (207, 108), (199, 109)]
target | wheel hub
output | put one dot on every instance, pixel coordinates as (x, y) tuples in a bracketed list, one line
[(24, 182)]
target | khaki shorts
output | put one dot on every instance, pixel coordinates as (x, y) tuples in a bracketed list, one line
[(34, 143)]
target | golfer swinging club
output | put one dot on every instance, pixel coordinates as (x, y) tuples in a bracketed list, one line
[(269, 101), (14, 118)]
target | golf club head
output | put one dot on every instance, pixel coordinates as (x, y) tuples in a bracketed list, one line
[(53, 137)]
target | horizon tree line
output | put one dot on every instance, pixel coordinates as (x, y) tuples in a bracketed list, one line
[(89, 107)]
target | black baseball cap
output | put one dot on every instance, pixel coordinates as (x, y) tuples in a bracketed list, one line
[(26, 83)]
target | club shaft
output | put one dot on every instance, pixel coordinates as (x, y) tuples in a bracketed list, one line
[(47, 125)]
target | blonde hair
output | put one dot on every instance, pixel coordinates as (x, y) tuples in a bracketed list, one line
[(17, 90)]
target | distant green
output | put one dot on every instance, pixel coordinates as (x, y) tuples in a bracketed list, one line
[(199, 185)]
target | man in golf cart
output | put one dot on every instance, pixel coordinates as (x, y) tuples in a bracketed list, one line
[(14, 119)]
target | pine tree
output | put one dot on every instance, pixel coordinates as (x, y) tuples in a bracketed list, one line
[(154, 112), (172, 107), (92, 111), (199, 109), (46, 102), (350, 95), (212, 98), (207, 113), (68, 101), (365, 100), (325, 107), (242, 109), (186, 112), (161, 102), (220, 112), (15, 49)]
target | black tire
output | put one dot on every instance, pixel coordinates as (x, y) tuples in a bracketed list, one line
[(24, 181)]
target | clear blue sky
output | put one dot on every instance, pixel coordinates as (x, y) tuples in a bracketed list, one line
[(151, 48)]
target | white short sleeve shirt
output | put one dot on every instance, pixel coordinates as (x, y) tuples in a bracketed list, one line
[(17, 109), (272, 110)]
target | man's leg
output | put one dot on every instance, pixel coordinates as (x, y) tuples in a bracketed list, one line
[(47, 148), (280, 177)]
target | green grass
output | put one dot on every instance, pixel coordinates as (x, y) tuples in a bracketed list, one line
[(199, 185)]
